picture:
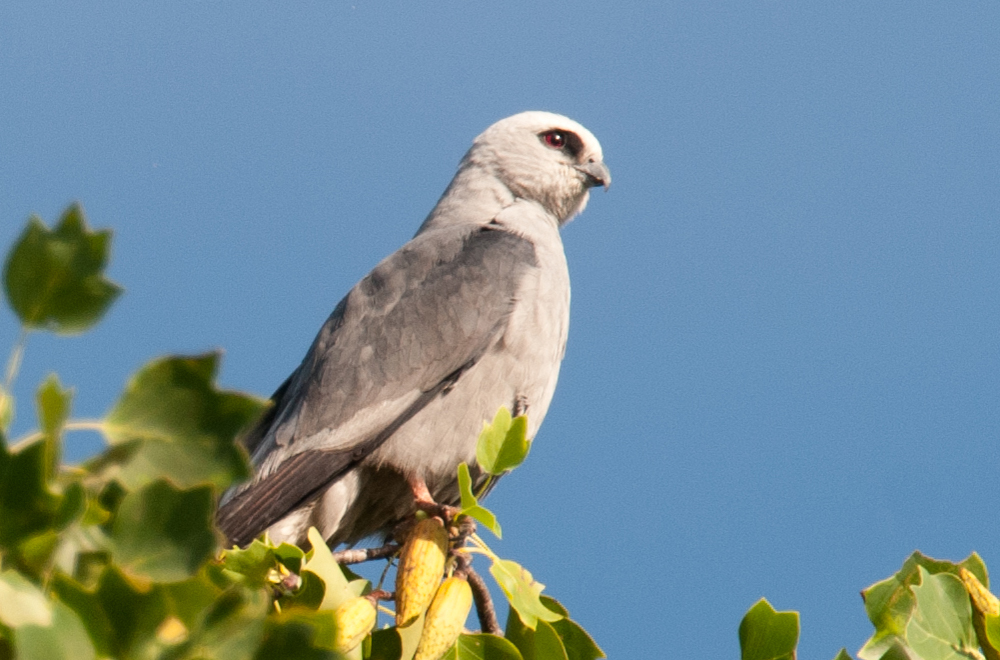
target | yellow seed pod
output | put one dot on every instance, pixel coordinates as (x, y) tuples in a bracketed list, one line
[(445, 619), (355, 618), (421, 564), (982, 600)]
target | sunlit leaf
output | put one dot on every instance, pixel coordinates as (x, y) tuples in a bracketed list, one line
[(22, 603), (522, 591), (183, 425), (471, 506), (890, 602), (768, 635), (503, 445), (54, 279), (941, 625), (992, 627), (163, 533), (321, 563), (65, 639), (253, 562)]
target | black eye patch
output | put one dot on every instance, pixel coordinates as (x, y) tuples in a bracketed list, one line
[(563, 140)]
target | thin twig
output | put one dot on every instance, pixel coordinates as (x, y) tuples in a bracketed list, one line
[(14, 361), (356, 556), (485, 610)]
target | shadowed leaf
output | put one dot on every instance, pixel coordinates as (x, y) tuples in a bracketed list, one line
[(578, 643), (163, 533), (54, 279), (540, 643), (180, 425), (483, 647)]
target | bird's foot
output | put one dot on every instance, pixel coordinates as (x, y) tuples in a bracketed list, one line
[(424, 501)]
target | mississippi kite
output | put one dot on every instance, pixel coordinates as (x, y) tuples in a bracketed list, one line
[(469, 315)]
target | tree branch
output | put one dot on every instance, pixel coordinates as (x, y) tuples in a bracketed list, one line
[(356, 556), (481, 596)]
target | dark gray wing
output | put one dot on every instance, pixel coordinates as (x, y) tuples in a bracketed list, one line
[(403, 335)]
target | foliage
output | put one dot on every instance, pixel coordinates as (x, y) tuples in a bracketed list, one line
[(119, 557), (929, 610)]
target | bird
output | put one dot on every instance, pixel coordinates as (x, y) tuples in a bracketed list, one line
[(470, 315)]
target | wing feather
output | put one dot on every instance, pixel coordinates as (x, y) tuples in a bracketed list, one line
[(404, 334)]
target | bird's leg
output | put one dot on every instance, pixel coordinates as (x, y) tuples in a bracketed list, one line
[(424, 501)]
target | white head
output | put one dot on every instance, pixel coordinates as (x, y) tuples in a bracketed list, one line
[(544, 157)]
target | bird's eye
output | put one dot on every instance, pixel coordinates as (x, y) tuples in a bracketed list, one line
[(555, 139)]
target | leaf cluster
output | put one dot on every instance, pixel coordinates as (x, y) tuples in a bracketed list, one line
[(930, 609)]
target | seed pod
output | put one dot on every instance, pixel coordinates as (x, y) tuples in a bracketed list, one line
[(421, 564), (983, 604), (445, 619), (355, 618)]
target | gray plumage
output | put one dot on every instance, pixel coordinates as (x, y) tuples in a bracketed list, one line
[(470, 315)]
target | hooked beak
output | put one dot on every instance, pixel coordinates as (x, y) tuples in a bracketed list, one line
[(596, 172)]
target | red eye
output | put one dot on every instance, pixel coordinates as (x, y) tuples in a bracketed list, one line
[(555, 139)]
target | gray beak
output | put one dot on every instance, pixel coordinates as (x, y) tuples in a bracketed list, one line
[(597, 173)]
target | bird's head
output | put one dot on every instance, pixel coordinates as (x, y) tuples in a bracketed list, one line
[(543, 157)]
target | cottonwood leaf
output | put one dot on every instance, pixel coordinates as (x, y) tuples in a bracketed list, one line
[(54, 279), (768, 635), (471, 506), (178, 425), (503, 445), (522, 591)]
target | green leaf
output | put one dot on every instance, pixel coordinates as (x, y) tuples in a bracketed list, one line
[(890, 602), (941, 625), (896, 651), (22, 603), (120, 617), (768, 635), (182, 425), (65, 639), (53, 410), (471, 506), (539, 643), (482, 646), (293, 638), (992, 625), (163, 533), (843, 655), (232, 627), (504, 444), (321, 563), (253, 562), (386, 645), (523, 592), (27, 506), (54, 279), (578, 643)]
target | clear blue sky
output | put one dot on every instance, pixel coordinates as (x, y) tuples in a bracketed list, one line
[(782, 374)]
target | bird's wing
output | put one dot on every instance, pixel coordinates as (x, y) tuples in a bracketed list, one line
[(403, 335)]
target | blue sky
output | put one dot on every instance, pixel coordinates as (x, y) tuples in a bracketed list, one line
[(782, 374)]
